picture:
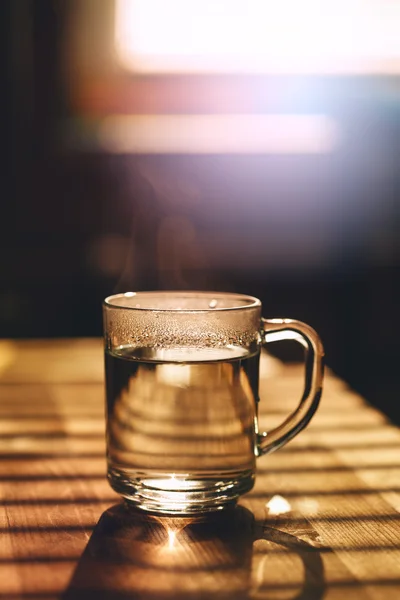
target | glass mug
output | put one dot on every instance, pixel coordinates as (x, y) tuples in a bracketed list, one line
[(182, 374)]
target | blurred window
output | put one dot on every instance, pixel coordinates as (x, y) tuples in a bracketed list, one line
[(258, 36)]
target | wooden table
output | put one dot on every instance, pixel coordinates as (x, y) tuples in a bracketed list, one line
[(323, 520)]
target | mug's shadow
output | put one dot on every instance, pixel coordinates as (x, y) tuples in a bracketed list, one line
[(132, 555)]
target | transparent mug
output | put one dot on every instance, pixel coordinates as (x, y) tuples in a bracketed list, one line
[(182, 375)]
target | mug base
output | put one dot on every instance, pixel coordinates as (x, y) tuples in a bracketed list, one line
[(176, 494)]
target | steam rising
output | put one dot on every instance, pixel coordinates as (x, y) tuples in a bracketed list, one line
[(165, 251)]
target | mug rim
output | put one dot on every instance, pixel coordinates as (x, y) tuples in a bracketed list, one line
[(252, 301)]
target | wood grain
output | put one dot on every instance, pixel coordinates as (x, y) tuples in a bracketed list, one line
[(323, 520)]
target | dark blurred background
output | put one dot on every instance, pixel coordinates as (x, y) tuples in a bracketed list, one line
[(294, 198)]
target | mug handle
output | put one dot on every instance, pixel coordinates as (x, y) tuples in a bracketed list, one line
[(274, 330)]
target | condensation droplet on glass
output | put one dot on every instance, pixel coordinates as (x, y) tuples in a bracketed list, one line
[(212, 303)]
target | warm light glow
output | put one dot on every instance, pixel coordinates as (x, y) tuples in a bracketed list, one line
[(173, 375), (170, 484), (313, 36), (171, 539), (308, 506), (8, 354), (230, 134), (278, 506)]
